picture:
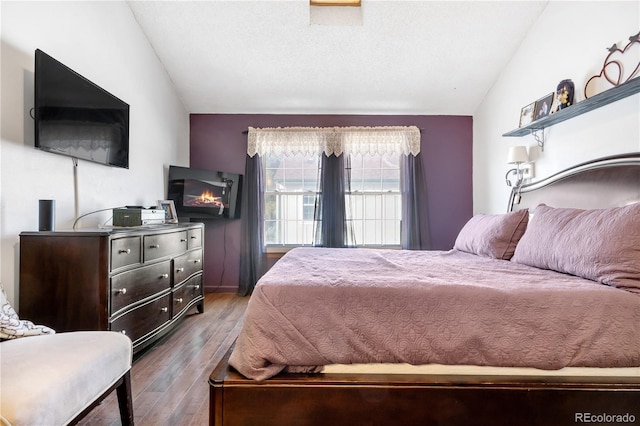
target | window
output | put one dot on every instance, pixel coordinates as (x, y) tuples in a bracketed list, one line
[(291, 184), (373, 204), (374, 201)]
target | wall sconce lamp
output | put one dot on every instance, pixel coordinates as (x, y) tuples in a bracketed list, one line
[(517, 155)]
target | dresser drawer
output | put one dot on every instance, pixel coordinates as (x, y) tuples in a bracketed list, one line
[(138, 284), (195, 238), (144, 319), (125, 252), (187, 292), (186, 265), (163, 245)]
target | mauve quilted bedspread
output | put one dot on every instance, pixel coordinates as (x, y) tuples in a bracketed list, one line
[(320, 306)]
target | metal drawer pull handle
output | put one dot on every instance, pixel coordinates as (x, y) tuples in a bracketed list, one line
[(197, 261), (164, 276), (197, 286), (124, 251), (154, 246), (165, 309), (180, 270), (122, 291), (194, 237), (123, 331), (179, 300), (182, 240)]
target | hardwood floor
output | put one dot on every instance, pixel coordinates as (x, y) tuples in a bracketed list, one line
[(169, 380)]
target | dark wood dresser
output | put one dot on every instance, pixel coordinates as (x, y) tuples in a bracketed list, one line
[(137, 281)]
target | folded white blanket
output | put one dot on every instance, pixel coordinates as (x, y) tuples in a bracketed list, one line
[(11, 326)]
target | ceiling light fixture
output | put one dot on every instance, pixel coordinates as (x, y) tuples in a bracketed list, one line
[(334, 12), (353, 3)]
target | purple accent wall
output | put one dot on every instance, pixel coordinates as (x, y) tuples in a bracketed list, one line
[(217, 143)]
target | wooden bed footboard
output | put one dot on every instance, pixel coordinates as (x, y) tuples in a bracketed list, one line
[(369, 399)]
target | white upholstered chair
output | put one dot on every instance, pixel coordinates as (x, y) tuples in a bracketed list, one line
[(57, 379)]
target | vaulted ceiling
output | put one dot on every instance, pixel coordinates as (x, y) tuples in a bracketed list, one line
[(395, 57)]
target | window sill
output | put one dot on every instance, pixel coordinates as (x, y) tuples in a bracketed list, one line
[(277, 249)]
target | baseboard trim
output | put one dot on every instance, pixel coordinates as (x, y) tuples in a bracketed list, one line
[(221, 289)]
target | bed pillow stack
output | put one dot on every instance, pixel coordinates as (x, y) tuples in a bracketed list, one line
[(494, 236), (601, 245)]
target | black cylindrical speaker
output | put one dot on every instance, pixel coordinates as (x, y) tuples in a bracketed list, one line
[(47, 215)]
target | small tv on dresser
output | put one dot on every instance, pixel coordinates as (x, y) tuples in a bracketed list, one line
[(204, 194)]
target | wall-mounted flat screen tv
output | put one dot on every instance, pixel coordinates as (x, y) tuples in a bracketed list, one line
[(77, 118), (204, 194)]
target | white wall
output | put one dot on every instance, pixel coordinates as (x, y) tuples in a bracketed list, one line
[(103, 42), (569, 40)]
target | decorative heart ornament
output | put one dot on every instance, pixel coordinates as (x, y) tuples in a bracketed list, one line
[(620, 66)]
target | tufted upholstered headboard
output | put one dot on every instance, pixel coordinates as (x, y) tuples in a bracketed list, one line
[(606, 182)]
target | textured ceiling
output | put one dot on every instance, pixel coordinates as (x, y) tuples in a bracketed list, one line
[(404, 57)]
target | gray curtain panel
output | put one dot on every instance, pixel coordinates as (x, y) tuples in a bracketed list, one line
[(252, 254), (332, 229), (414, 227)]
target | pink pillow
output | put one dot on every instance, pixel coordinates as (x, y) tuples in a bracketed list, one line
[(493, 236), (601, 245)]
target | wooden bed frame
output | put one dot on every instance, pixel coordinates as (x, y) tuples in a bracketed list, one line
[(407, 399)]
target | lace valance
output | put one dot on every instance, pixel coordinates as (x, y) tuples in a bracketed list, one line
[(334, 140)]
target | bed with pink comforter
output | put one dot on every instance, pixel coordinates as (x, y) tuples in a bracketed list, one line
[(320, 306), (544, 286)]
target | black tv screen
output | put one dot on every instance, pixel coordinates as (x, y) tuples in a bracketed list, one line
[(77, 118)]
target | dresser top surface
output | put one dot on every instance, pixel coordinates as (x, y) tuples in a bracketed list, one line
[(116, 231)]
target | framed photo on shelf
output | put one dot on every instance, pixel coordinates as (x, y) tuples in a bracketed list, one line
[(526, 114), (543, 106), (170, 215)]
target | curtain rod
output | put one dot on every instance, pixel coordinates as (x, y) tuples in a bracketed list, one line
[(246, 131)]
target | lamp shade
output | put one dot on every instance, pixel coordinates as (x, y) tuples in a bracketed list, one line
[(517, 154)]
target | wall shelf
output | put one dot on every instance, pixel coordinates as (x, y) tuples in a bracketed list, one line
[(596, 101)]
